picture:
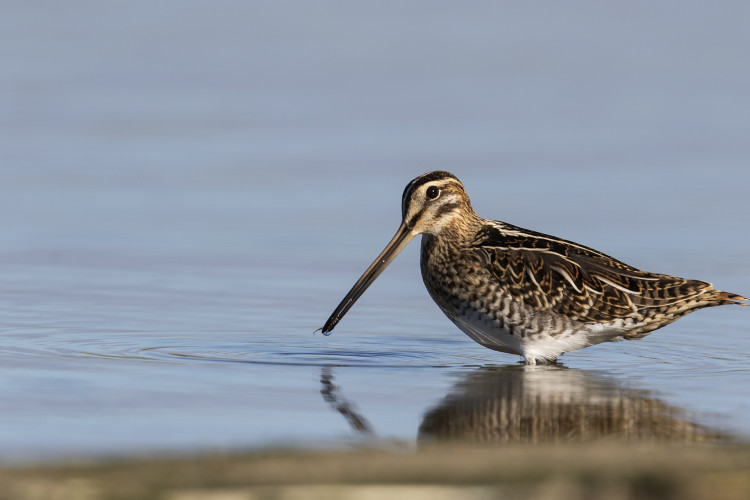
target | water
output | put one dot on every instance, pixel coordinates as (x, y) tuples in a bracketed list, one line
[(186, 193)]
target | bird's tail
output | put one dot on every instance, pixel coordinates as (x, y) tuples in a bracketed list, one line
[(730, 298)]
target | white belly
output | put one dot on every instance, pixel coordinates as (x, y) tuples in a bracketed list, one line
[(536, 344)]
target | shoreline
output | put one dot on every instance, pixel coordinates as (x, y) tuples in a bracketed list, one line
[(598, 470)]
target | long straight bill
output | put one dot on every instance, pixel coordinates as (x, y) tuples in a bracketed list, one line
[(399, 241)]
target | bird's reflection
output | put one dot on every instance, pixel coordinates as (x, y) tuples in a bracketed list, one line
[(519, 404), (543, 404)]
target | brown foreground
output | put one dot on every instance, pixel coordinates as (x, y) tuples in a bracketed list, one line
[(611, 471)]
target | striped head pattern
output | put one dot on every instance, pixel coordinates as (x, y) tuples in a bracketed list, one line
[(433, 200)]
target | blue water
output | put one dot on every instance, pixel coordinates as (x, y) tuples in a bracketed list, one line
[(187, 190)]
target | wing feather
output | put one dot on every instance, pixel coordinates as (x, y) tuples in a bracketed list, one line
[(567, 278)]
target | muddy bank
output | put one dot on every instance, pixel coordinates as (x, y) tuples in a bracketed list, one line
[(593, 471)]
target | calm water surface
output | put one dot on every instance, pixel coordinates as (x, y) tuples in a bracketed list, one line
[(185, 198)]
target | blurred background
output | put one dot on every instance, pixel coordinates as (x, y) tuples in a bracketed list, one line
[(188, 188)]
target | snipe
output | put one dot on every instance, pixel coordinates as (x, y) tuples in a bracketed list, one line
[(524, 292)]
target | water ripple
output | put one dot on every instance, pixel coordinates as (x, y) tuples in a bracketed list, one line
[(282, 354), (243, 347)]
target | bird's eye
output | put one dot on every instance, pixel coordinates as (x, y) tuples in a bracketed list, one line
[(432, 192)]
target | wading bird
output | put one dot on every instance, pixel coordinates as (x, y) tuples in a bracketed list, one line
[(523, 292)]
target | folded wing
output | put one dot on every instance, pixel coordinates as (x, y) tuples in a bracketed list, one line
[(566, 278)]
